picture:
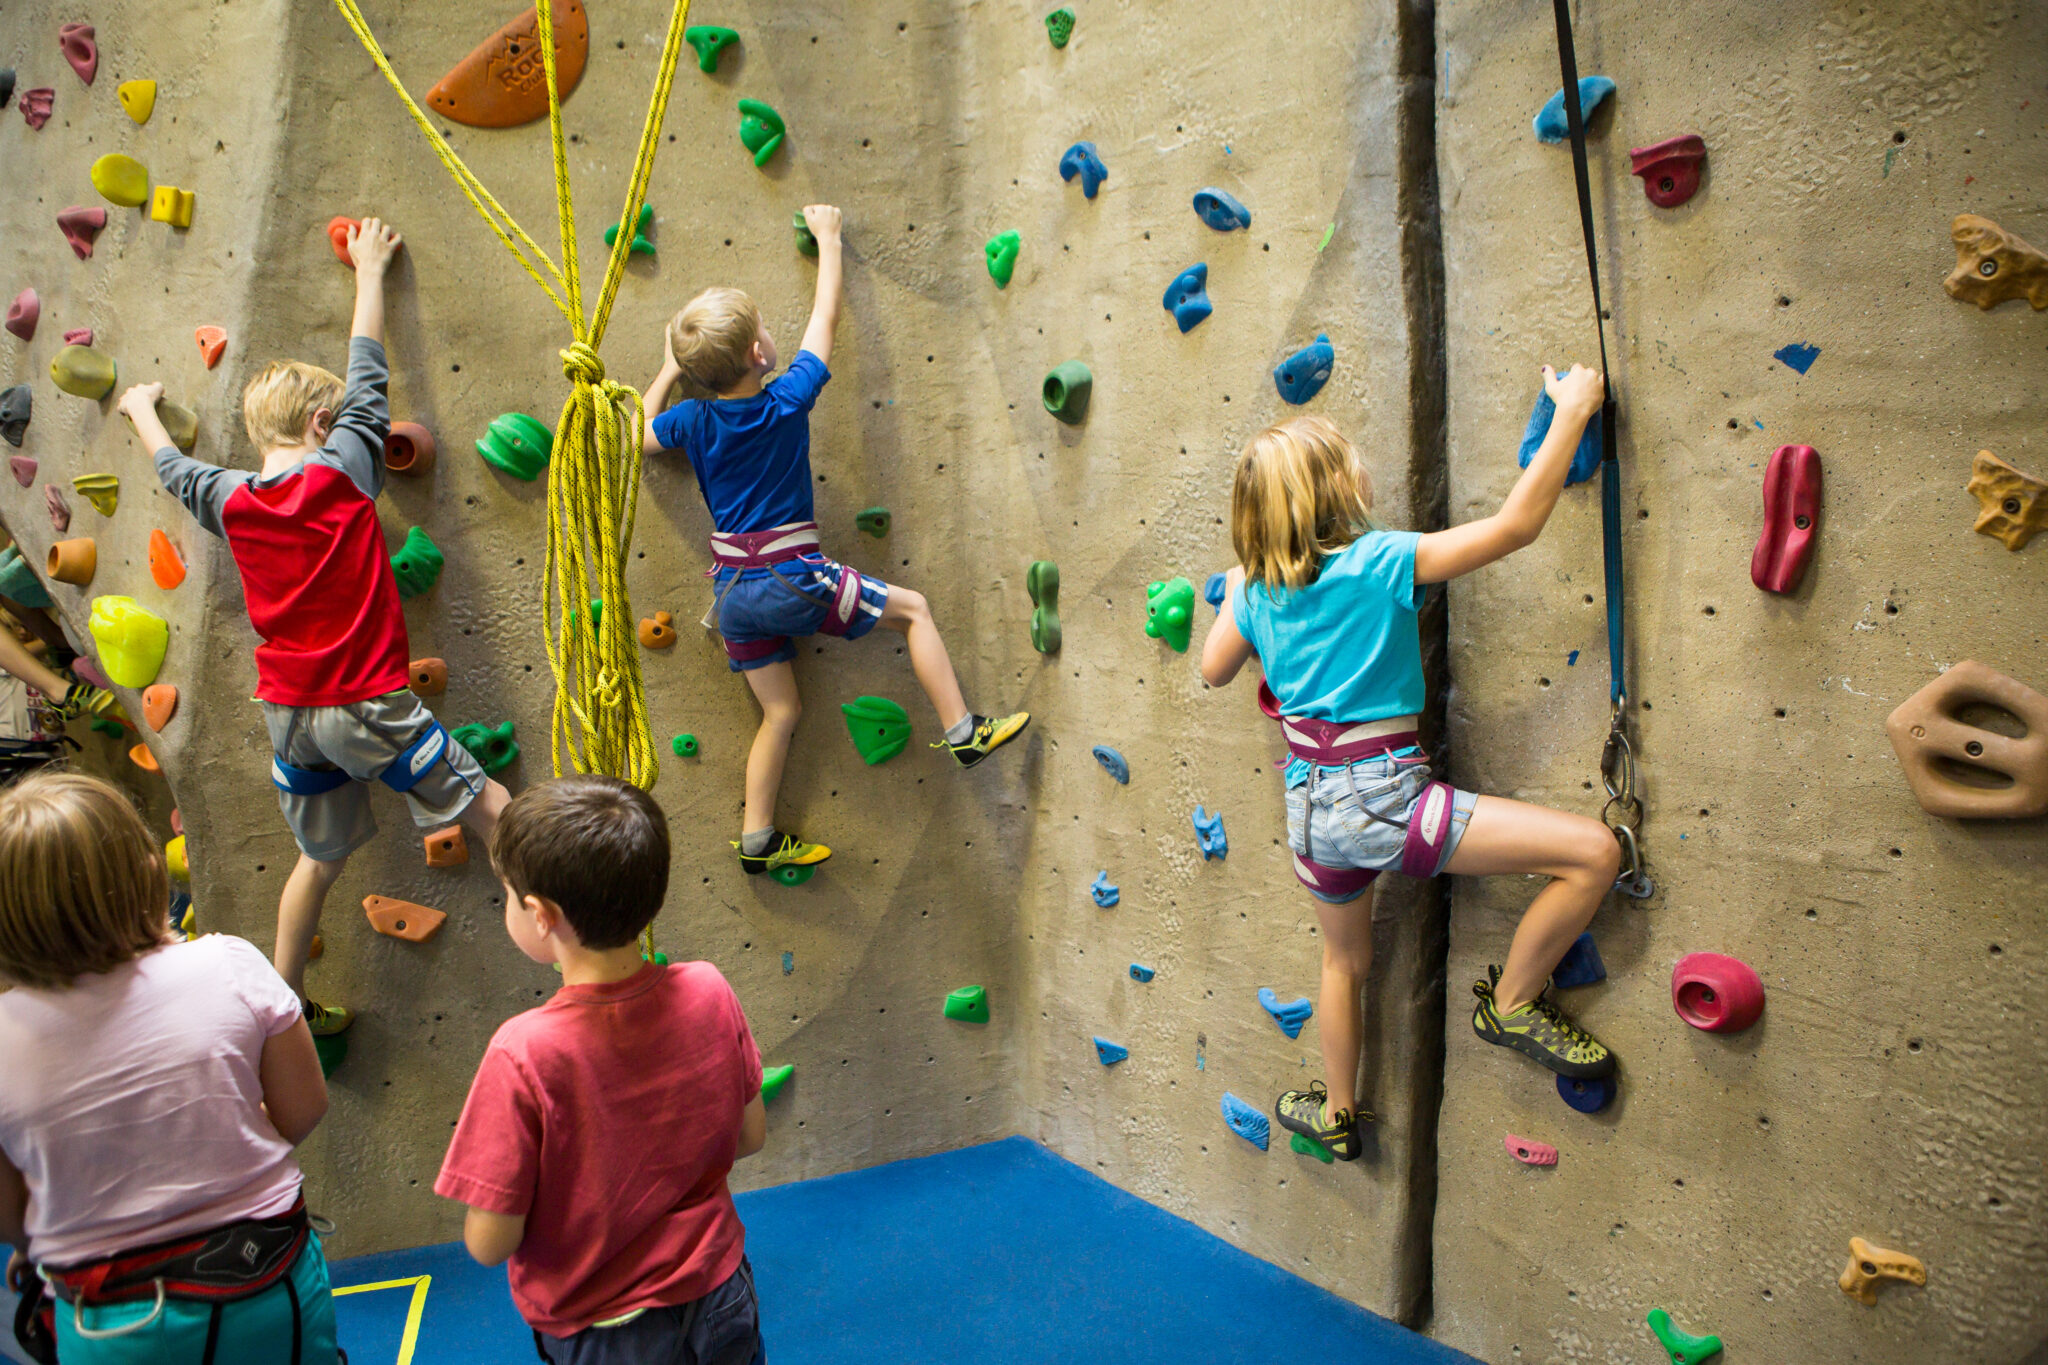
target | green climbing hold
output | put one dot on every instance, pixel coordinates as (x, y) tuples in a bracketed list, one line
[(181, 424), (492, 746), (1170, 612), (332, 1050), (596, 614), (806, 240), (19, 582), (761, 130), (709, 40), (417, 565), (874, 521), (794, 874), (659, 959), (880, 728), (641, 246), (121, 179), (101, 725), (1043, 583), (1001, 251), (773, 1079), (1059, 26), (684, 745), (1308, 1146), (1683, 1347), (517, 445), (969, 1003), (83, 372), (1066, 389)]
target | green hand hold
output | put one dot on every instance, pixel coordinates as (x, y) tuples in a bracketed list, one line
[(492, 746), (806, 240), (880, 728), (1308, 1146), (1043, 583), (1059, 26), (773, 1079), (1065, 391), (874, 521), (101, 725), (641, 246), (1684, 1348), (1170, 612), (969, 1003), (761, 130), (1001, 251), (417, 565), (684, 745), (709, 40), (332, 1051), (517, 445)]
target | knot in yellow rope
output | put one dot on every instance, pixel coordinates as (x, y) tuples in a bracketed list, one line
[(581, 365)]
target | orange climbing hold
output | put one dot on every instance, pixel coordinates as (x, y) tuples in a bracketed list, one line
[(409, 449), (503, 83), (213, 344), (1868, 1264), (427, 677), (142, 758), (447, 847), (166, 565), (403, 919), (73, 561), (658, 631), (159, 704)]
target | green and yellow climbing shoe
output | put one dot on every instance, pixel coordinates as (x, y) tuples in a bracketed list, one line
[(784, 850), (326, 1020), (1542, 1031), (990, 733), (1308, 1113), (82, 698)]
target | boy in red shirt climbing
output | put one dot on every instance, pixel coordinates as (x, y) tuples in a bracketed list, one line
[(331, 670)]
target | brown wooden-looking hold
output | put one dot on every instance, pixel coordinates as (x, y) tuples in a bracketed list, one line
[(427, 677), (658, 631), (409, 449), (503, 82), (1868, 1264), (447, 847), (2015, 503), (403, 919), (73, 561), (1993, 265), (159, 704), (1961, 770), (319, 947)]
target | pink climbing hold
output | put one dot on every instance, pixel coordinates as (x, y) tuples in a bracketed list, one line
[(1530, 1153), (80, 50), (81, 227), (24, 470), (1717, 993), (78, 336), (60, 510), (36, 105), (23, 314)]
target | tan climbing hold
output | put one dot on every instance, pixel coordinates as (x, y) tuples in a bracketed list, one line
[(83, 372), (427, 677), (2015, 503), (447, 847), (1961, 770), (142, 758), (159, 704), (1868, 1264), (403, 919), (503, 83), (138, 99), (181, 424), (658, 631), (73, 561), (171, 205), (121, 179), (213, 344), (103, 491), (1993, 265)]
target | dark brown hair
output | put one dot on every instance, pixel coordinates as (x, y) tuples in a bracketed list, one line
[(595, 846)]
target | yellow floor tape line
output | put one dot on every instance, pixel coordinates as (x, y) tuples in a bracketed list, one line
[(419, 1285)]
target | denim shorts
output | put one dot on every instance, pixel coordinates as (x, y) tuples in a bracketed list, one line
[(722, 1328), (761, 612), (1327, 823)]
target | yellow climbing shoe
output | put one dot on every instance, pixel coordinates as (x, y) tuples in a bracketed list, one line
[(990, 733), (784, 850), (326, 1020)]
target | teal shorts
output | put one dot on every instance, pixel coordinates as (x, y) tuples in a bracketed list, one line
[(290, 1323)]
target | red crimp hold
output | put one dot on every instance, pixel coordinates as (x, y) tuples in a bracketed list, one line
[(1791, 515), (1531, 1153), (1670, 169), (81, 227)]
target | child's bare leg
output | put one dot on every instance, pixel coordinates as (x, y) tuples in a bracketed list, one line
[(775, 688), (298, 916), (910, 614), (1579, 855), (1347, 960)]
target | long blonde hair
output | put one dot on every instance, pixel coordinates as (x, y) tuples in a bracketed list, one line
[(1300, 495), (81, 886)]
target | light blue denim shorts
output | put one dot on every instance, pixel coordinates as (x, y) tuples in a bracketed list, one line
[(1327, 824)]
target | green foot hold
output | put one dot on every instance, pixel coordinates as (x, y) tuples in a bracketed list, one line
[(641, 246), (333, 1051), (1170, 612), (794, 874), (684, 745), (1065, 391), (517, 445), (1001, 251), (773, 1079), (806, 240), (880, 728), (969, 1003), (709, 40), (493, 746), (1043, 583), (761, 130), (1059, 26), (1308, 1146), (101, 725), (417, 565), (874, 521), (1683, 1347)]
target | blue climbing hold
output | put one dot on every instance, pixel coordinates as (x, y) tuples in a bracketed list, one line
[(1083, 160), (1798, 355), (1551, 123), (788, 963), (1209, 834), (1221, 211), (1213, 590), (1140, 972), (1245, 1121), (1302, 375), (1580, 965), (1187, 298), (1588, 1097), (19, 582), (1114, 762), (1585, 461), (1290, 1018), (1110, 1053), (1105, 894)]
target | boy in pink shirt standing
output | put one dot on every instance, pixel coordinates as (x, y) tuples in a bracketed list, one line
[(594, 1146)]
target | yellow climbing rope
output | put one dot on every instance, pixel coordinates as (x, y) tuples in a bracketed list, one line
[(600, 714)]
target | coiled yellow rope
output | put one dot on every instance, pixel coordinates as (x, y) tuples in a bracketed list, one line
[(600, 716)]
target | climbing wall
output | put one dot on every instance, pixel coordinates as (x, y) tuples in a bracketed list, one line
[(1893, 1089)]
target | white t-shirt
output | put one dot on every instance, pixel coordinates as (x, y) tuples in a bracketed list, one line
[(132, 1101)]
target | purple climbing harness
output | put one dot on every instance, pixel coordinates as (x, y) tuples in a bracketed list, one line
[(769, 549)]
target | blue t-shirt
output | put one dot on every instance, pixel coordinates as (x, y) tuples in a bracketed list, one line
[(752, 455)]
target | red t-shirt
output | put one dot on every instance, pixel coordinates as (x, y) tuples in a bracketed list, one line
[(609, 1118)]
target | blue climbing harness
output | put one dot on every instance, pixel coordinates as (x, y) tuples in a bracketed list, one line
[(402, 774)]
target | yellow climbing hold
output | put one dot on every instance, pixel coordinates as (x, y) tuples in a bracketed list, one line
[(132, 640), (174, 860), (171, 205), (83, 372), (181, 424), (138, 98), (121, 179), (103, 491)]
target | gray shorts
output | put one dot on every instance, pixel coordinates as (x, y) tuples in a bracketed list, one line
[(1327, 823), (361, 739)]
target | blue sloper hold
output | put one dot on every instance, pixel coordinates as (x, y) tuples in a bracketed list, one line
[(1187, 298), (1114, 762), (1585, 461), (1580, 965), (1110, 1053), (1105, 894), (1083, 160), (1140, 972), (1290, 1018), (1209, 834), (1245, 1121), (1552, 125), (1798, 355), (1214, 591), (1302, 375), (1588, 1097), (1221, 211)]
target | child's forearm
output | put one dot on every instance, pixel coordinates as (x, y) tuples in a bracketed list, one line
[(655, 399), (825, 307), (1534, 496), (369, 318), (149, 429)]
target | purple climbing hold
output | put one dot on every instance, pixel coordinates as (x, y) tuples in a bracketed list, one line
[(36, 105), (1798, 355)]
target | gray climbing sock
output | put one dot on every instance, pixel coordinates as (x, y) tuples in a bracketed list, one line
[(961, 730), (755, 841)]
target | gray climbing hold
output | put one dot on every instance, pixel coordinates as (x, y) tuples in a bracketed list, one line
[(16, 405), (1289, 1017)]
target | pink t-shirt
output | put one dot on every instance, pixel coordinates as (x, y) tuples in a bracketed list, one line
[(132, 1100), (609, 1118)]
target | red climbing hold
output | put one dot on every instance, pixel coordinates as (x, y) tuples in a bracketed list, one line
[(24, 470), (1791, 514), (1530, 1153), (81, 227), (35, 105), (1670, 169), (78, 336), (80, 50), (166, 565), (23, 313), (213, 343), (1715, 992), (503, 82), (338, 229), (409, 449)]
